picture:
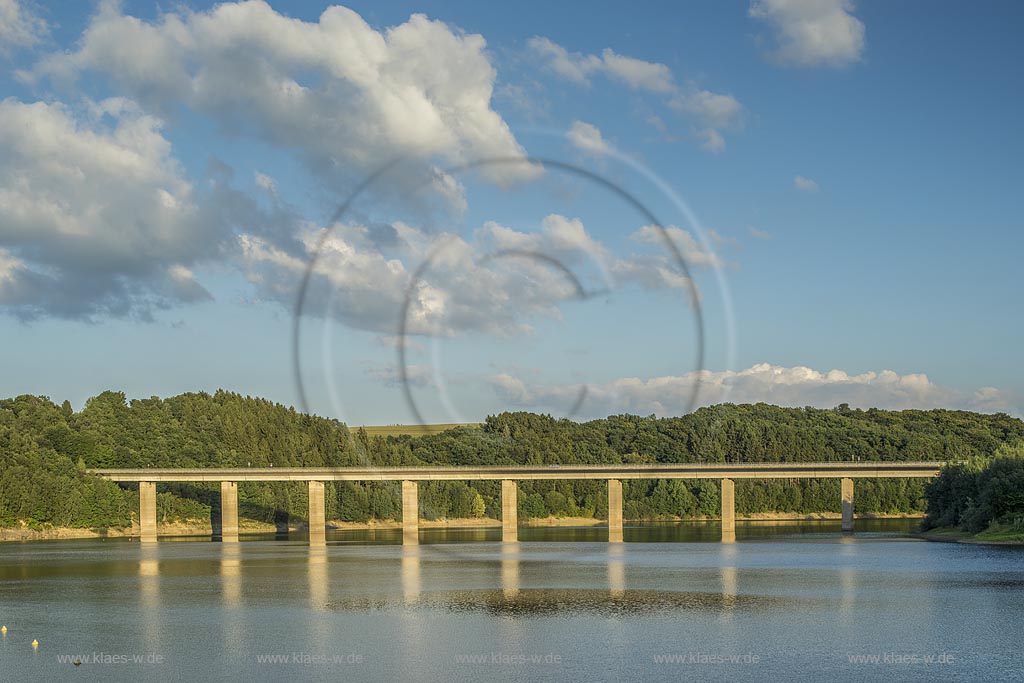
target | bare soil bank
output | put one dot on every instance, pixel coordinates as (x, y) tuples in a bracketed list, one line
[(201, 528)]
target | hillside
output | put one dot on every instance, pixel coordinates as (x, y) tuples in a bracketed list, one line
[(45, 448)]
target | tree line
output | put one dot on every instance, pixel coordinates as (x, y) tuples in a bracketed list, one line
[(979, 493), (45, 450)]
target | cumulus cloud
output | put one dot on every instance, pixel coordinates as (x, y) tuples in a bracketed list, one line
[(340, 92), (587, 138), (716, 110), (574, 67), (711, 141), (19, 26), (365, 284), (812, 32), (265, 183), (689, 248), (721, 240), (786, 386), (637, 73), (993, 400), (805, 184), (493, 282), (96, 216)]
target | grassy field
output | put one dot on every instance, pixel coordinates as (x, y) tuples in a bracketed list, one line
[(1002, 533), (413, 430)]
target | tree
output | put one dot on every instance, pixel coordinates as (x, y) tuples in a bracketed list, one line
[(478, 508)]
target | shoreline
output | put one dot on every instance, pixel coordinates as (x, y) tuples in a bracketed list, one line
[(199, 528), (948, 535)]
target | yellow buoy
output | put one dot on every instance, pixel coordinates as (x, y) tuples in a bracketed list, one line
[(3, 630), (35, 643)]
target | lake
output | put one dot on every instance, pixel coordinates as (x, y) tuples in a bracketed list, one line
[(793, 601)]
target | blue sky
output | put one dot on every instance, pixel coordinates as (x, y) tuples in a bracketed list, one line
[(840, 179)]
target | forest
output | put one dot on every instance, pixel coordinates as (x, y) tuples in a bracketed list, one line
[(46, 448), (980, 494)]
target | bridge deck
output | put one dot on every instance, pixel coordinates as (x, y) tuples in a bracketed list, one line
[(775, 470)]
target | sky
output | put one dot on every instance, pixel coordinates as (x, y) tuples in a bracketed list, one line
[(394, 212)]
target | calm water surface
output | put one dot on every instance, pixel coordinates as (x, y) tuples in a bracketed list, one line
[(795, 601)]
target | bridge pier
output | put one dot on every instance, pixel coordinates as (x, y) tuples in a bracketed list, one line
[(147, 511), (317, 514), (847, 493), (509, 511), (615, 511), (410, 513), (728, 511), (229, 512)]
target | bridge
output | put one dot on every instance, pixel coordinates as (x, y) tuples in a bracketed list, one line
[(508, 475)]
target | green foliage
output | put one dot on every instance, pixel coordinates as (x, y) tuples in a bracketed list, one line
[(45, 450), (980, 493), (39, 480)]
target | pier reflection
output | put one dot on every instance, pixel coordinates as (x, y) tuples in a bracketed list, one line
[(729, 579), (510, 570), (230, 575), (412, 580), (231, 597), (616, 570), (149, 597), (317, 574)]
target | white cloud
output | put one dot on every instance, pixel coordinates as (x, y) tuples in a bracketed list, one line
[(636, 73), (993, 400), (96, 217), (759, 234), (793, 386), (265, 183), (493, 282), (721, 240), (563, 235), (690, 249), (712, 141), (715, 110), (651, 272), (340, 92), (804, 184), (365, 283), (449, 187), (184, 285), (11, 269), (19, 26), (587, 137), (812, 32), (527, 98), (574, 67)]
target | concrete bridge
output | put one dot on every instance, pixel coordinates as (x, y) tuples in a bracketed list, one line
[(508, 475)]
